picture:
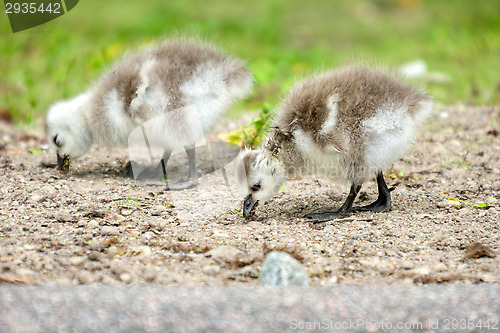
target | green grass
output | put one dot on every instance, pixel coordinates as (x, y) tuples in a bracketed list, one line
[(476, 204), (128, 203), (281, 39), (252, 134)]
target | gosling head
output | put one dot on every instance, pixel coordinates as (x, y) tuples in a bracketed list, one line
[(67, 133), (260, 177)]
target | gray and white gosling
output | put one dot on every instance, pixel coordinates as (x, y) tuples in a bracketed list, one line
[(346, 124), (146, 85)]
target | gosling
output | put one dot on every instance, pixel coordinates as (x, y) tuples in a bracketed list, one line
[(151, 84), (347, 125)]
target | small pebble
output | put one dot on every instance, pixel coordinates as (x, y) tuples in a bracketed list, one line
[(75, 261), (85, 277), (226, 252), (26, 273), (93, 224), (421, 271), (65, 217), (49, 192), (329, 227), (407, 264), (37, 198), (449, 203), (281, 269), (108, 230), (106, 279), (142, 251), (125, 277), (217, 233), (94, 256), (492, 278), (211, 270), (440, 267), (316, 247), (112, 251)]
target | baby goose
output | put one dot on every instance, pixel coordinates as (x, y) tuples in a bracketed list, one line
[(347, 125), (150, 84)]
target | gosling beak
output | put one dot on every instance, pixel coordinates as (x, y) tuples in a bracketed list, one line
[(248, 205), (62, 162)]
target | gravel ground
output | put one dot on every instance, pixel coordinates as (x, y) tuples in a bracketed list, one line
[(93, 225), (99, 308)]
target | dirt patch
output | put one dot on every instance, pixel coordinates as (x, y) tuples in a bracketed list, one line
[(94, 225)]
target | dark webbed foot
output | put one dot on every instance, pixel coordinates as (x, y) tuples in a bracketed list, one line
[(128, 170), (377, 206), (326, 216), (383, 202), (182, 185), (343, 211)]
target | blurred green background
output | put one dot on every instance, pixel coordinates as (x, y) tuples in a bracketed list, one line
[(459, 40)]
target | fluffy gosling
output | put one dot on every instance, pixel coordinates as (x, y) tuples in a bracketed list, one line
[(146, 85), (347, 125)]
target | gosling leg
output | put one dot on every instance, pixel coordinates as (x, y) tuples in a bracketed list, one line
[(153, 172), (383, 202), (192, 179), (343, 211)]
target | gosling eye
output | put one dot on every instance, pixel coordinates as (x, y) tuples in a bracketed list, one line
[(256, 187), (56, 141)]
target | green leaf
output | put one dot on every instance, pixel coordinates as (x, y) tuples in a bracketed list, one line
[(476, 204)]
